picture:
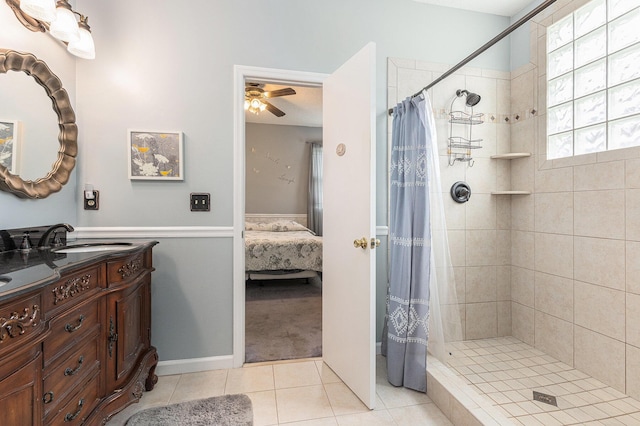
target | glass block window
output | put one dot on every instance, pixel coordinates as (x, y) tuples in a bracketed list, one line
[(593, 79)]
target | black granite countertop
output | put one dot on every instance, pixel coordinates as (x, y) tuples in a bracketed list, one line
[(21, 272)]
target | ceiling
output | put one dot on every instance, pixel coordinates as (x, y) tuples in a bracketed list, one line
[(305, 107), (495, 7)]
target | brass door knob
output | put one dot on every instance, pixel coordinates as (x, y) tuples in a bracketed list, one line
[(361, 243), (375, 243)]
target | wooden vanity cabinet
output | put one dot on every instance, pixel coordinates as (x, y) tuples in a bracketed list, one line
[(77, 351), (21, 387), (21, 331), (129, 327)]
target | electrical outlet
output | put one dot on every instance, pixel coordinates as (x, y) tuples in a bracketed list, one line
[(91, 203), (200, 201)]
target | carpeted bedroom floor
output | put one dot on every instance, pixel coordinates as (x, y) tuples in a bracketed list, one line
[(283, 319)]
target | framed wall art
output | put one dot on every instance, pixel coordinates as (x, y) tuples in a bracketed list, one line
[(155, 155), (9, 145)]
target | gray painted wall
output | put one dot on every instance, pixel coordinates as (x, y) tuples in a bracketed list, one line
[(277, 167), (170, 67), (520, 45)]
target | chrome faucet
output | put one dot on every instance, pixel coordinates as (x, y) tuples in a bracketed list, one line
[(44, 240)]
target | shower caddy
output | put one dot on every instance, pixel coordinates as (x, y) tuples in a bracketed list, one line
[(460, 142)]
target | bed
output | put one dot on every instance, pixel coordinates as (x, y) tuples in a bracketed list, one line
[(281, 249)]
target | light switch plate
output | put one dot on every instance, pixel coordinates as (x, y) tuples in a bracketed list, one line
[(200, 201)]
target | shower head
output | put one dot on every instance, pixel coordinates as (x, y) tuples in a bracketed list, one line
[(472, 98)]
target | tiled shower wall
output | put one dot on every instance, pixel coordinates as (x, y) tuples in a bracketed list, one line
[(575, 254), (479, 230), (560, 268)]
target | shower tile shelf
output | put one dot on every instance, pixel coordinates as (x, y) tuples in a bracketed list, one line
[(511, 193), (511, 156)]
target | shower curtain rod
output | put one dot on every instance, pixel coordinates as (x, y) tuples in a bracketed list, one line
[(486, 46)]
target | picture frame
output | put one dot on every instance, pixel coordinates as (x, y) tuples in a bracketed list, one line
[(155, 155), (10, 145)]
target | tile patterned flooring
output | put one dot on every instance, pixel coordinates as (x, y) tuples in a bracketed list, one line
[(296, 393), (502, 372), (507, 371)]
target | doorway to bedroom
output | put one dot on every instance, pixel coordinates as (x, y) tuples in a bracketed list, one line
[(283, 221)]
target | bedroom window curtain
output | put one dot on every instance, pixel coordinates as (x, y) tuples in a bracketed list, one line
[(314, 203), (415, 218)]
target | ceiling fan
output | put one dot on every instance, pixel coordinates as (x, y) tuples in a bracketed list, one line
[(255, 98)]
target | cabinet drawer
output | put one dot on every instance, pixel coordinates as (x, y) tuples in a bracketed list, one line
[(79, 406), (70, 289), (71, 327), (126, 268), (20, 321), (63, 376)]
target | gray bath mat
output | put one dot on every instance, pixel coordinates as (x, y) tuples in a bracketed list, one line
[(226, 410)]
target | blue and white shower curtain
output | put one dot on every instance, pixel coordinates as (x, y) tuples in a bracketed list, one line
[(407, 321)]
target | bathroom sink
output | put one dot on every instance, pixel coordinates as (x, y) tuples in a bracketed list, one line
[(93, 247), (4, 280)]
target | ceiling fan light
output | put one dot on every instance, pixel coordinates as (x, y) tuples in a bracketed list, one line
[(65, 26), (42, 10), (263, 106), (255, 103), (246, 104)]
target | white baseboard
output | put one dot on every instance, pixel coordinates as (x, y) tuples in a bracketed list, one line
[(194, 365)]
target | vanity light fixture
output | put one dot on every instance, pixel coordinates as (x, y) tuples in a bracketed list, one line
[(84, 47), (60, 20), (65, 26), (42, 10)]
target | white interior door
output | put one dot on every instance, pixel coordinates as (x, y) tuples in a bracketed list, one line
[(348, 278)]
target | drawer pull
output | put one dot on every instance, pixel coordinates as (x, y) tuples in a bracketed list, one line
[(70, 372), (71, 417), (71, 328), (48, 397), (113, 336)]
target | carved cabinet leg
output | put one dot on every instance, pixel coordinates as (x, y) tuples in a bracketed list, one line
[(152, 379)]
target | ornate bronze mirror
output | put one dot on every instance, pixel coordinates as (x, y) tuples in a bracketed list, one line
[(68, 131)]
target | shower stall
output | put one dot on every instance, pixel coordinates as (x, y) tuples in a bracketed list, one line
[(544, 256)]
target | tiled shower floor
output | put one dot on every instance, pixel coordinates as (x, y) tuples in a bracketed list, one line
[(506, 372)]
